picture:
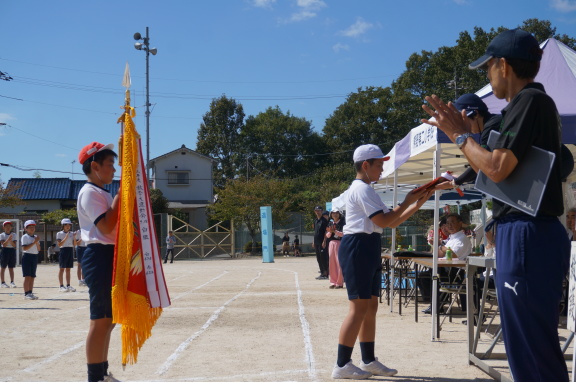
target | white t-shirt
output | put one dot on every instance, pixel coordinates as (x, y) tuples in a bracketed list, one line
[(362, 202), (93, 202), (27, 240), (4, 237), (78, 237), (68, 242), (459, 244)]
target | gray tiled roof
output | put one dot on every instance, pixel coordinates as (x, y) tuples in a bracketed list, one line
[(52, 188)]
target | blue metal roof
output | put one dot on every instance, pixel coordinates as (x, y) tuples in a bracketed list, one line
[(52, 188)]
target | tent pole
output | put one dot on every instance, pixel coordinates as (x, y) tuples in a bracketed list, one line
[(437, 155), (393, 243)]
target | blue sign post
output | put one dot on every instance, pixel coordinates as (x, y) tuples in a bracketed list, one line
[(267, 234)]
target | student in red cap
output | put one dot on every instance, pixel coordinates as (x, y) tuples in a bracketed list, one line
[(8, 241), (98, 215)]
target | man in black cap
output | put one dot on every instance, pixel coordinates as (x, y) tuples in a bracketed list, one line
[(529, 285), (320, 225)]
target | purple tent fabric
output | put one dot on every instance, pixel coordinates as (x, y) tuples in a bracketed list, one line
[(558, 75)]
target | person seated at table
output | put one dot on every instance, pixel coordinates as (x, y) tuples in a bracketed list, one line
[(461, 247), (442, 231)]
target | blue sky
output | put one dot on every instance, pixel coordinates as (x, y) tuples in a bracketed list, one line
[(67, 59)]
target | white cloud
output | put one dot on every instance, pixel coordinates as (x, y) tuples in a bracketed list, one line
[(564, 5), (308, 9), (339, 47), (263, 3), (358, 28), (5, 117)]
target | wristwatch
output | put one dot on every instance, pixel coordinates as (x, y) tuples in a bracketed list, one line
[(461, 139)]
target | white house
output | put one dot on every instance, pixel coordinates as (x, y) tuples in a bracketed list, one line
[(185, 179)]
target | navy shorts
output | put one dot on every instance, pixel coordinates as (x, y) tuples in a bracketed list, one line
[(8, 257), (29, 264), (66, 257), (359, 256), (97, 266), (80, 253)]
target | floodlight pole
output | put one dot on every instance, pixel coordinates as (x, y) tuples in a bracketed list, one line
[(147, 44)]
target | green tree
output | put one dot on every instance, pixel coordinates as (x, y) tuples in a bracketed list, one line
[(280, 144), (240, 200), (56, 216), (9, 196), (218, 137), (363, 118), (159, 201), (543, 29)]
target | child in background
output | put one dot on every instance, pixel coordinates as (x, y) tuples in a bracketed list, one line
[(80, 248), (31, 247), (65, 239), (8, 257)]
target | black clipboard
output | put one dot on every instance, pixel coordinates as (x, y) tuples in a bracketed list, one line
[(525, 187)]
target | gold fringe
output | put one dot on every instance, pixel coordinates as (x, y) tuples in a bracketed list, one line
[(129, 309)]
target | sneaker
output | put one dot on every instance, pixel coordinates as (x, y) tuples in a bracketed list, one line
[(29, 297), (4, 285), (70, 288), (63, 289), (34, 297), (110, 378), (12, 285), (82, 283), (377, 368), (349, 371)]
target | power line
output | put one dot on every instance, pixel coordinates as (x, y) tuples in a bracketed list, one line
[(206, 81)]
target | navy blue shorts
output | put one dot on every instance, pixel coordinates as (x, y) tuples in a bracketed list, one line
[(8, 257), (97, 265), (29, 264), (80, 253), (359, 257), (66, 257)]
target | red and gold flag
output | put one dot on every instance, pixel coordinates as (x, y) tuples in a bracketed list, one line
[(139, 290)]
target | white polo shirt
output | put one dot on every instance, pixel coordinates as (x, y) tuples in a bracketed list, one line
[(68, 243), (362, 203), (93, 202), (459, 244), (27, 240), (4, 237)]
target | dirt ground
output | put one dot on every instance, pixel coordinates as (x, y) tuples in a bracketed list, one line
[(230, 320)]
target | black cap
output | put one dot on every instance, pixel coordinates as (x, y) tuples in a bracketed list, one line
[(318, 208), (470, 102), (513, 43)]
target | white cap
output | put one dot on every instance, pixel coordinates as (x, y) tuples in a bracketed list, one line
[(366, 152), (335, 209), (66, 221), (29, 222)]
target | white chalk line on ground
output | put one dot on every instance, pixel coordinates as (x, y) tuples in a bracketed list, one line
[(184, 345), (198, 287), (53, 358), (245, 377), (305, 332)]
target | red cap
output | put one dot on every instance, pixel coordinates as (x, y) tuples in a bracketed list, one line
[(91, 149), (6, 222)]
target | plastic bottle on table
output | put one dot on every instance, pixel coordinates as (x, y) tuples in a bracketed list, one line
[(449, 254)]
